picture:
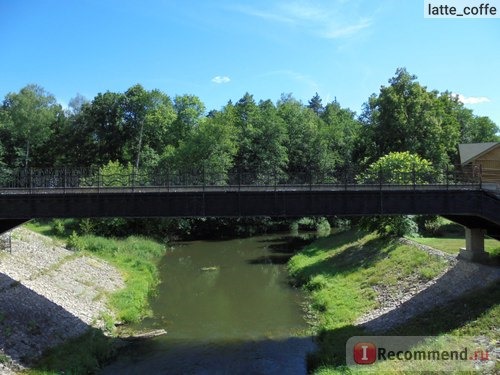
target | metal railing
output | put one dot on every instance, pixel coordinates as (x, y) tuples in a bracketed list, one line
[(42, 180)]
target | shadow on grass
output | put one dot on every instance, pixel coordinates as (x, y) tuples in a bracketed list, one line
[(352, 258)]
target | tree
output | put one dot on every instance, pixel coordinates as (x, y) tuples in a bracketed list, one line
[(407, 117), (75, 104), (341, 130), (29, 116), (189, 111), (209, 150), (98, 131), (147, 115), (315, 104), (262, 135), (307, 149)]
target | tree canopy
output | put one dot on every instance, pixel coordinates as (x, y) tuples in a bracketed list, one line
[(150, 131)]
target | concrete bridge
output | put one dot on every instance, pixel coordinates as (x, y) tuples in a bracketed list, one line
[(71, 195)]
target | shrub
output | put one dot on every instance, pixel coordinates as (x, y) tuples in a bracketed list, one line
[(390, 226), (58, 227)]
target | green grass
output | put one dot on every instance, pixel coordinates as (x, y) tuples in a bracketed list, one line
[(339, 273), (453, 245), (136, 258)]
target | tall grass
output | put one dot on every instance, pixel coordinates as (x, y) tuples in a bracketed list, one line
[(136, 258)]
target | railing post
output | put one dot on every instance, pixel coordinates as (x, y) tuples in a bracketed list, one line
[(31, 180), (64, 180), (414, 177), (447, 171), (380, 177), (203, 177), (133, 179), (481, 176)]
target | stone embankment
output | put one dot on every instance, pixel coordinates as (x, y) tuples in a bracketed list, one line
[(413, 296), (48, 294)]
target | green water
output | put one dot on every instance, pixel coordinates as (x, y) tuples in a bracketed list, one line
[(228, 309)]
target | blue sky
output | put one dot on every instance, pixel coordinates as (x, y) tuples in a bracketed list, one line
[(218, 50)]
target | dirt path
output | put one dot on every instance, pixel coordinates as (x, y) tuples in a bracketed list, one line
[(47, 295)]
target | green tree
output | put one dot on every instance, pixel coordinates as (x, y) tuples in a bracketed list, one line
[(261, 137), (209, 149), (97, 131), (407, 117), (147, 115), (307, 149), (341, 130), (315, 104), (29, 115), (189, 111)]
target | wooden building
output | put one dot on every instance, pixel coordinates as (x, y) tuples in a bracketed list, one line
[(483, 158)]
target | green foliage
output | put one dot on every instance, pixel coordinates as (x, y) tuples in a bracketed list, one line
[(116, 174), (75, 242), (58, 227), (399, 168), (323, 227), (28, 119), (390, 226), (395, 168), (405, 116)]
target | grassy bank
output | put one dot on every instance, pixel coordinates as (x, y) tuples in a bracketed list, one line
[(136, 258), (449, 237), (343, 274)]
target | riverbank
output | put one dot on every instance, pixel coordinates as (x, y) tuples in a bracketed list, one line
[(48, 295), (360, 284), (62, 295)]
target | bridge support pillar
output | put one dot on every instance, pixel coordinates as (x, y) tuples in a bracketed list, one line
[(474, 245)]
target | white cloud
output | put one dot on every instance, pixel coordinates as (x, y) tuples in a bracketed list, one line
[(221, 79), (472, 99), (331, 20)]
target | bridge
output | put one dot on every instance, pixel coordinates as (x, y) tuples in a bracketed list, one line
[(77, 193)]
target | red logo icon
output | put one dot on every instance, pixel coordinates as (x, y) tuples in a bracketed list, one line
[(365, 353)]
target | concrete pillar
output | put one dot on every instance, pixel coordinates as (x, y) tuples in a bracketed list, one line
[(474, 245)]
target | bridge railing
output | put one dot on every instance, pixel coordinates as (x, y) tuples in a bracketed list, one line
[(66, 179)]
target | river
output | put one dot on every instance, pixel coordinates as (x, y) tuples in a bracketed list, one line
[(227, 308)]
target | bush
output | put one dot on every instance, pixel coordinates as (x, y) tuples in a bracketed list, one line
[(390, 226), (323, 227), (75, 242), (58, 227)]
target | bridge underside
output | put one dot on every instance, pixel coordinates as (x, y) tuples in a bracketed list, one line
[(470, 207)]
